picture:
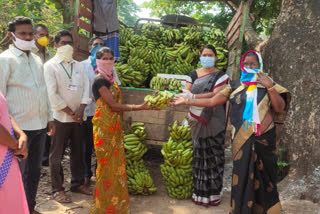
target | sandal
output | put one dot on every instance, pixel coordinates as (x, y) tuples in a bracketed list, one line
[(61, 197), (83, 189)]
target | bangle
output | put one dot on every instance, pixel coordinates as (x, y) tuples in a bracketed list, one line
[(270, 89)]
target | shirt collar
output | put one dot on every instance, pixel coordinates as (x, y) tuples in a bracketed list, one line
[(59, 60), (15, 50)]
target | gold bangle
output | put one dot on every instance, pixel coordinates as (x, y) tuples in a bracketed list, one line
[(270, 89)]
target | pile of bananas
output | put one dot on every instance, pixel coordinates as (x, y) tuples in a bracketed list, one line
[(161, 83), (160, 99), (139, 130), (165, 50), (176, 169), (139, 179)]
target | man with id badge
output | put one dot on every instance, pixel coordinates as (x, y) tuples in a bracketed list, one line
[(68, 90)]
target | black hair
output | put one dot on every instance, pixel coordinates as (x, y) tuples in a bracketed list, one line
[(41, 26), (253, 54), (93, 39), (60, 34), (103, 50), (18, 20), (209, 47)]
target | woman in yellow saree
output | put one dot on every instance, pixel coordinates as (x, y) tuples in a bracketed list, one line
[(111, 190)]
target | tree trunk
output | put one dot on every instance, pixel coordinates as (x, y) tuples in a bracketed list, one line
[(292, 58)]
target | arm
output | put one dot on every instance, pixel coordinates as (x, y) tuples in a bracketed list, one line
[(216, 100), (115, 106), (22, 140), (57, 103), (277, 101), (4, 75), (6, 139)]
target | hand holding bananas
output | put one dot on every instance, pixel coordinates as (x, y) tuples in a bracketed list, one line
[(159, 100), (139, 179)]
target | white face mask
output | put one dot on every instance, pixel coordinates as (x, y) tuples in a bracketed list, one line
[(65, 52), (22, 44)]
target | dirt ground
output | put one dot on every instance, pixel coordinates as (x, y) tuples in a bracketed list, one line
[(158, 203)]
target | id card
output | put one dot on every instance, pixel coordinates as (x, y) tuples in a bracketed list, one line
[(72, 87)]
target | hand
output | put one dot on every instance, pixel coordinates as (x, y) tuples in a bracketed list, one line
[(51, 128), (145, 106), (22, 146), (186, 94), (78, 115), (264, 80), (179, 100)]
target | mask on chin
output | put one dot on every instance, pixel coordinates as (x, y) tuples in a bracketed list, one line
[(65, 52), (23, 44)]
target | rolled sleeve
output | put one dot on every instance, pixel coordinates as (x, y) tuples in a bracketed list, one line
[(57, 103)]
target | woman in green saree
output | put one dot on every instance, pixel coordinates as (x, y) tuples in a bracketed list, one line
[(254, 99)]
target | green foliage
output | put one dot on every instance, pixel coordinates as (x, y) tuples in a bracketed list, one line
[(281, 163), (219, 13), (127, 12), (41, 11), (265, 14)]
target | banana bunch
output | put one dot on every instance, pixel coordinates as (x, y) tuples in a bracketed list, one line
[(159, 62), (139, 130), (178, 133), (178, 155), (135, 149), (129, 76), (159, 99), (222, 58), (125, 35), (155, 50), (152, 31), (139, 179), (161, 83)]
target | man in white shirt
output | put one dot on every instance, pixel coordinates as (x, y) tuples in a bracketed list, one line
[(90, 66), (22, 83), (68, 89)]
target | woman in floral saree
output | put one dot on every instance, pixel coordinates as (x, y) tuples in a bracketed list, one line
[(111, 190), (255, 100)]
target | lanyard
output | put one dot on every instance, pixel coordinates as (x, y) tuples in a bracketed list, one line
[(69, 75)]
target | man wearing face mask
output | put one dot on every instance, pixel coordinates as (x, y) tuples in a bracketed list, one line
[(23, 85), (90, 66), (68, 89), (41, 37)]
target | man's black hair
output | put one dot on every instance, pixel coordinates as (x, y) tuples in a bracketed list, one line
[(41, 26), (60, 34), (18, 20)]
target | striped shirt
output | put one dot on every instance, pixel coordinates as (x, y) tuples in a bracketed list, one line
[(68, 85), (23, 85)]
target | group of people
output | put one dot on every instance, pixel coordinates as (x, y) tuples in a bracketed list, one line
[(49, 102)]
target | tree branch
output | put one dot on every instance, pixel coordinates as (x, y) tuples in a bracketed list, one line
[(250, 35)]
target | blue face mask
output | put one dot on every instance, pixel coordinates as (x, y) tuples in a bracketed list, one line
[(93, 56), (207, 62)]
